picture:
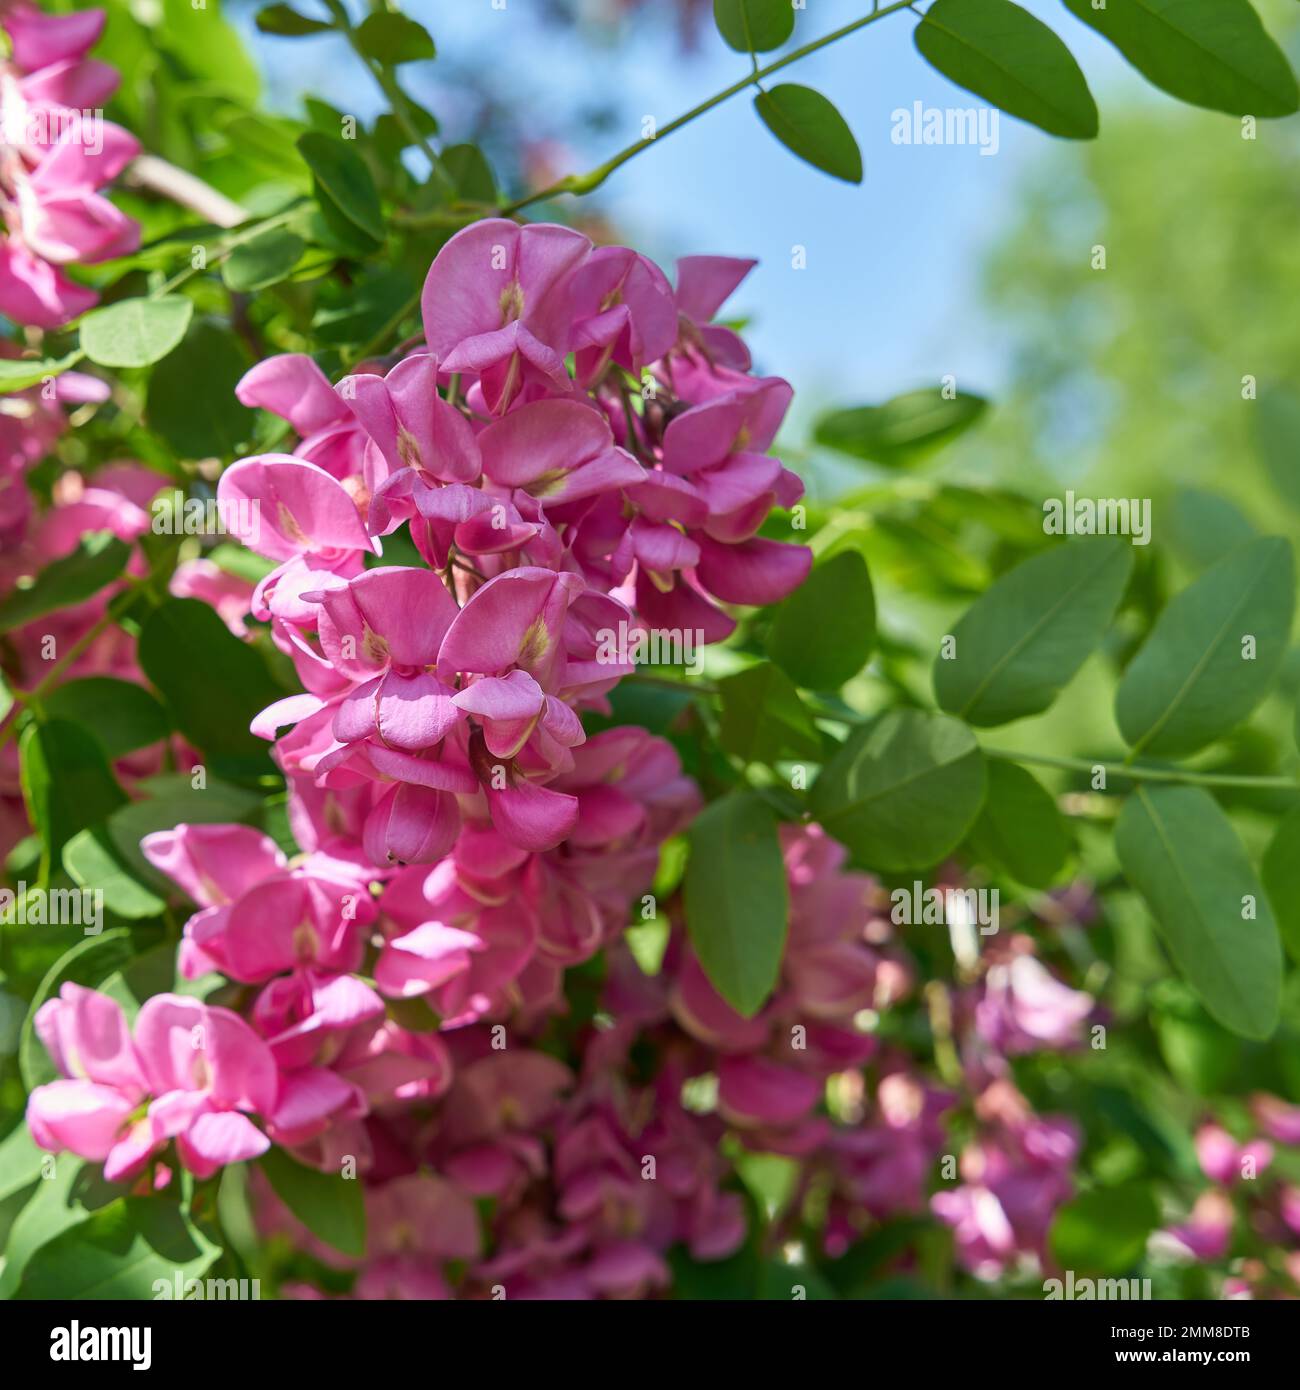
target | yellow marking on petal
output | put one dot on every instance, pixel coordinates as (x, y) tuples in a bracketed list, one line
[(289, 525), (535, 645), (306, 943), (512, 303)]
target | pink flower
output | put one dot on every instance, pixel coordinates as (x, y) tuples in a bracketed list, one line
[(192, 1073)]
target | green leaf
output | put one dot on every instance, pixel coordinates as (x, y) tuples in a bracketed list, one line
[(809, 126), (206, 49), (823, 633), (344, 181), (1003, 54), (763, 718), (212, 682), (1105, 1231), (95, 563), (86, 964), (192, 401), (1280, 870), (135, 332), (1202, 526), (1023, 639), (61, 1202), (263, 261), (120, 1252), (285, 22), (20, 374), (123, 716), (736, 898), (171, 800), (1180, 852), (67, 782), (94, 865), (471, 173), (20, 1161), (903, 792), (1020, 828), (331, 1206), (1213, 53), (754, 26), (1194, 678), (391, 39), (1276, 420), (154, 972), (904, 430)]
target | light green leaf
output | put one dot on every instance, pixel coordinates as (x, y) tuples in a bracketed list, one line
[(1212, 653), (263, 261), (1180, 852), (92, 864), (60, 1202), (1024, 638), (1211, 53), (67, 782), (903, 792), (823, 633), (1003, 54), (808, 125), (135, 332), (1276, 420), (736, 898), (20, 374)]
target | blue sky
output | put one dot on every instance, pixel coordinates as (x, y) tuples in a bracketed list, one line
[(889, 298)]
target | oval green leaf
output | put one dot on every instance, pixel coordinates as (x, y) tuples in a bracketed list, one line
[(344, 181), (135, 332), (122, 716), (902, 431), (903, 792), (763, 719), (1003, 54), (77, 576), (754, 26), (1213, 53), (1280, 870), (808, 125), (1020, 828), (822, 635), (1212, 653), (1023, 639), (331, 1206), (1180, 852), (736, 898)]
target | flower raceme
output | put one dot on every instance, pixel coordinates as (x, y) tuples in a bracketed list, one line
[(576, 450), (56, 153)]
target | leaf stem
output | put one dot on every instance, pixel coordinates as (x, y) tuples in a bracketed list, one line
[(1184, 776), (580, 184)]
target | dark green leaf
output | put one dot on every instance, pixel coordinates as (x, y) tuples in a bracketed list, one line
[(213, 684), (904, 430), (822, 635), (1203, 526), (95, 563), (123, 716), (1276, 418), (331, 1206), (808, 125), (1104, 1232), (1023, 639), (1195, 677), (763, 718), (472, 174), (67, 782), (343, 182), (903, 792), (1178, 849), (1003, 54), (285, 22), (392, 38), (1020, 828), (1280, 870), (754, 26), (263, 261), (192, 401), (736, 899), (1211, 53), (135, 332)]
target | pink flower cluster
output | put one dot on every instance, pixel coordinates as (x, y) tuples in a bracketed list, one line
[(56, 155), (558, 511)]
